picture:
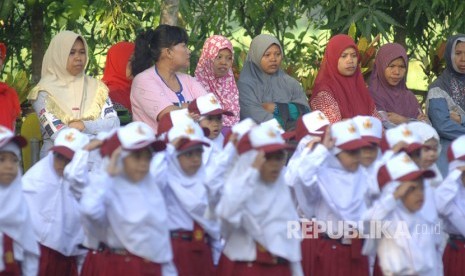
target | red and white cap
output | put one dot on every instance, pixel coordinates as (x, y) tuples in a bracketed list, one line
[(243, 127), (313, 123), (68, 141), (208, 105), (6, 136), (274, 124), (138, 135), (401, 133), (370, 128), (456, 150), (347, 135), (262, 137), (401, 168), (191, 135), (169, 120)]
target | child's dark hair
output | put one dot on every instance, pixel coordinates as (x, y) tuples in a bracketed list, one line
[(150, 43)]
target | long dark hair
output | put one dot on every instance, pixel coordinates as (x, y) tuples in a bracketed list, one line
[(150, 43)]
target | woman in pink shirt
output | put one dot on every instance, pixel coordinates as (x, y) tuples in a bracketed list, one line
[(158, 86)]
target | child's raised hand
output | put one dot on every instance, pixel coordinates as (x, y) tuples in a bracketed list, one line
[(403, 188), (93, 144), (399, 146), (313, 142), (259, 160), (113, 169), (328, 141), (234, 139), (194, 116)]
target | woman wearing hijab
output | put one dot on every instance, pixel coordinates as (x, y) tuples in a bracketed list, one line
[(66, 97), (265, 90), (117, 74), (340, 91), (214, 72), (8, 97), (445, 102), (388, 86)]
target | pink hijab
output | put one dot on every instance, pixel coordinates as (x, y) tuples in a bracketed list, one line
[(225, 87)]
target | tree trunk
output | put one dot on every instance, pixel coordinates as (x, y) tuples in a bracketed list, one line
[(38, 40), (169, 12), (400, 36)]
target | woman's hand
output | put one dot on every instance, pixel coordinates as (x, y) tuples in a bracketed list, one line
[(79, 125), (456, 117), (269, 107), (396, 118)]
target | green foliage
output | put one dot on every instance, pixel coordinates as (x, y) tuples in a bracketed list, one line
[(20, 82)]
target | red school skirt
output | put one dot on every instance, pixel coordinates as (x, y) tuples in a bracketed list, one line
[(454, 256), (122, 263), (94, 263), (192, 252), (11, 266), (333, 258), (265, 264), (53, 263)]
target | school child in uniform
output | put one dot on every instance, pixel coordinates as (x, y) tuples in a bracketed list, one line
[(128, 203), (256, 208), (401, 138), (210, 113), (309, 131), (428, 157), (333, 188), (52, 188), (192, 228), (19, 250), (371, 130), (406, 240), (450, 203)]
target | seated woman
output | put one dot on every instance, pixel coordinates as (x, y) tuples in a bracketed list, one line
[(340, 91), (9, 98), (117, 75), (66, 97), (214, 72), (158, 86), (265, 90), (388, 87), (445, 102)]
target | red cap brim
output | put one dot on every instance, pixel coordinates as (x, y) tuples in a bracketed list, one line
[(109, 145), (413, 147), (218, 112), (289, 135), (417, 174), (354, 145), (65, 151), (275, 147), (186, 144), (372, 140), (450, 155)]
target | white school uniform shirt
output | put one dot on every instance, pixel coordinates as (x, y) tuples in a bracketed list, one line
[(253, 211), (186, 196), (414, 253), (450, 202), (133, 215), (210, 153), (15, 222), (54, 202), (329, 192)]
